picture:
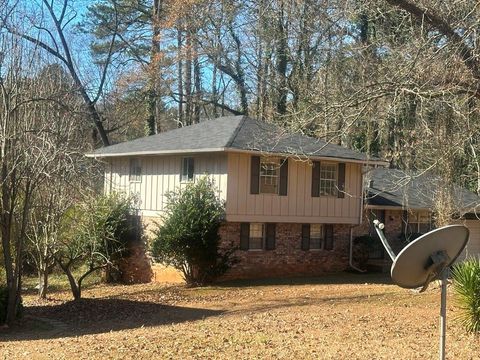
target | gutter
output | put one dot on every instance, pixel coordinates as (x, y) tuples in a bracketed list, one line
[(150, 153), (350, 257)]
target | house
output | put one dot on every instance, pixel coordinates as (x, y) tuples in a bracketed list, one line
[(405, 203), (292, 201)]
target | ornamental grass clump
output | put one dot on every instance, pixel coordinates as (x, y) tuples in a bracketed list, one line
[(466, 284)]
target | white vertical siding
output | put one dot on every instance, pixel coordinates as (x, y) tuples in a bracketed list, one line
[(160, 175), (298, 205)]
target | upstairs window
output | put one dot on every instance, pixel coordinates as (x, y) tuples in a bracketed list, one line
[(269, 176), (328, 179), (188, 168), (135, 173)]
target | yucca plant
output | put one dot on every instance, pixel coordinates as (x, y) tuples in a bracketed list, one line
[(466, 284)]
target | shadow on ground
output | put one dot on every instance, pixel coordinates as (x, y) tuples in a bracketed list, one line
[(94, 316), (327, 279)]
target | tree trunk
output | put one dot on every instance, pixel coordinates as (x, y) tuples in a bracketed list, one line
[(198, 86), (188, 78), (180, 75), (281, 65), (76, 289), (42, 282), (155, 77)]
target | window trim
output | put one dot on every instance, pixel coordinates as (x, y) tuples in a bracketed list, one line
[(306, 237), (135, 164), (415, 216), (187, 179), (335, 181), (321, 238), (264, 232)]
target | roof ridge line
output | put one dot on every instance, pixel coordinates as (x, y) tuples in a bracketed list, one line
[(235, 133)]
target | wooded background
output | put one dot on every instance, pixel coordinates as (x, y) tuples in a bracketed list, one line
[(397, 79)]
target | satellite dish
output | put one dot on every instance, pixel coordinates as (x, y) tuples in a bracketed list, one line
[(423, 259), (426, 259)]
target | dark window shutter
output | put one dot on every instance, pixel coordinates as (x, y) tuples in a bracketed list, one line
[(316, 179), (255, 175), (283, 178), (329, 237), (270, 237), (305, 237), (244, 235), (184, 172), (191, 168), (341, 180)]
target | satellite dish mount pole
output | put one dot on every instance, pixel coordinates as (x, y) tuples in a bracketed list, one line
[(425, 259), (443, 312)]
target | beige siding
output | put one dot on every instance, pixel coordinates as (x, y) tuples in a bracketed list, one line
[(160, 175), (298, 206), (473, 245)]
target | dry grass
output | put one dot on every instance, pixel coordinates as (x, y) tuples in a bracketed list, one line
[(335, 317)]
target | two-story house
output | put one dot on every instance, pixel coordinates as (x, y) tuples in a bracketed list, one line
[(291, 200)]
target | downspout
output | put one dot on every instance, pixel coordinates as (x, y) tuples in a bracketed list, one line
[(350, 258)]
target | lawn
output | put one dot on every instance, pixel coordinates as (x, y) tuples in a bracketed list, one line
[(344, 316)]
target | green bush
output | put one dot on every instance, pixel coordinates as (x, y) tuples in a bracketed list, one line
[(96, 237), (188, 239), (362, 245), (466, 284), (4, 302)]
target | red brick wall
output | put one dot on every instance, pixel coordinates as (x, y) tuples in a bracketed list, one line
[(137, 267), (288, 259), (393, 228)]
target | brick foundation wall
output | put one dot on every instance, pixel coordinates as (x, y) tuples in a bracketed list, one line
[(393, 232), (393, 228), (288, 259), (137, 267)]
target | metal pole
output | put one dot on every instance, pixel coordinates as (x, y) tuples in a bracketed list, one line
[(443, 313)]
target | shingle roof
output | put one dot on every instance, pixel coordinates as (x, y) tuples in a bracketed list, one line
[(392, 187), (234, 133)]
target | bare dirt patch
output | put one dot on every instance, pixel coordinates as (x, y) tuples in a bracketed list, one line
[(335, 317)]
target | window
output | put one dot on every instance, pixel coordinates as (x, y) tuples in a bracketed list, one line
[(316, 236), (256, 236), (269, 169), (135, 174), (188, 168), (328, 179), (419, 222)]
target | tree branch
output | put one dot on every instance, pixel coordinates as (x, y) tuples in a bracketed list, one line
[(426, 15)]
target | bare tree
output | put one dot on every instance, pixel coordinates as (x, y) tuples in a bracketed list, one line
[(57, 44)]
